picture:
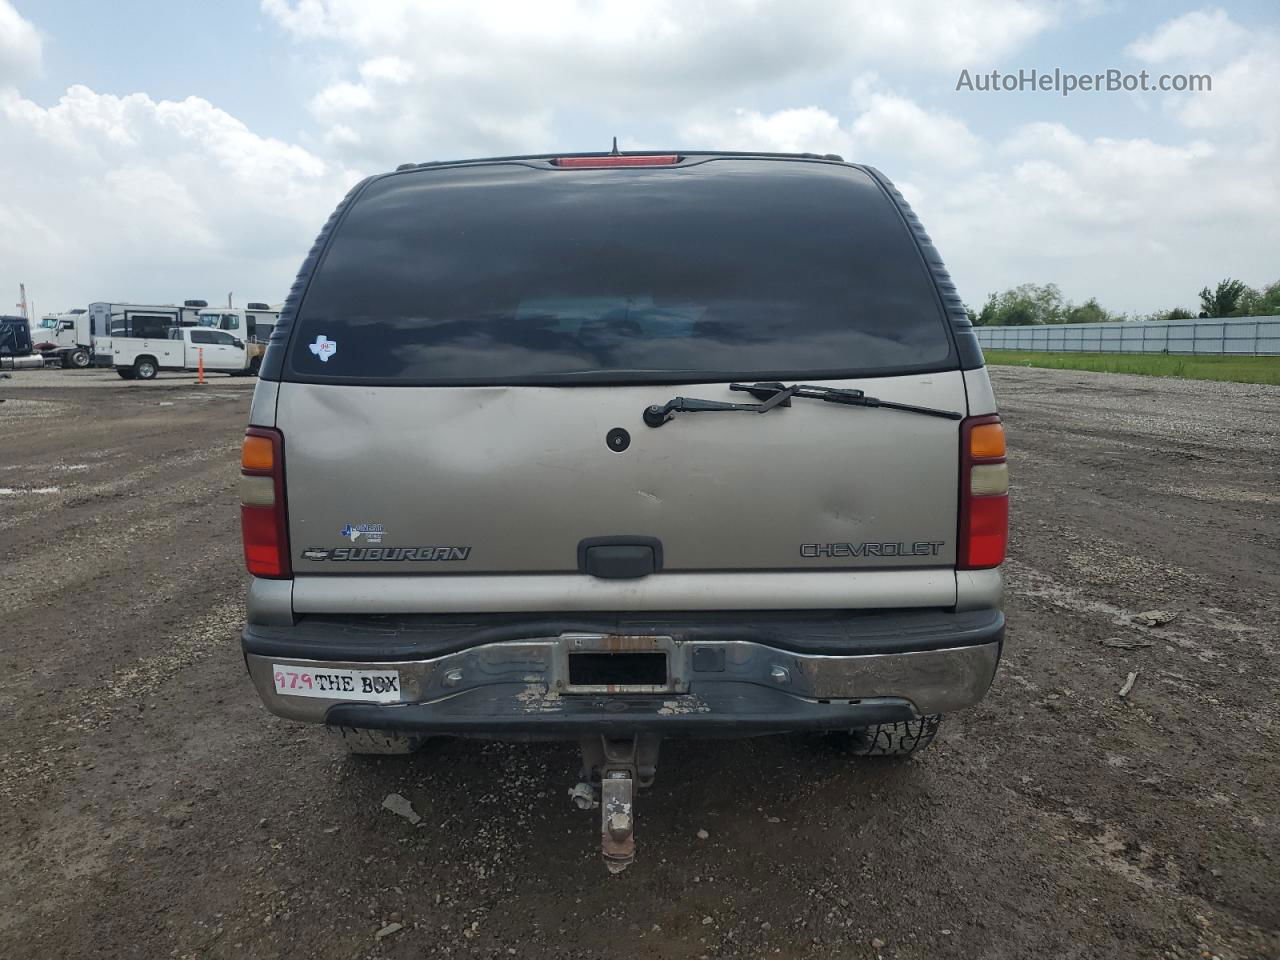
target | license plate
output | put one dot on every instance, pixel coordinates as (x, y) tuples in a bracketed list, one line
[(375, 686)]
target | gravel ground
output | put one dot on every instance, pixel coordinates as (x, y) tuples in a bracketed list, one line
[(149, 806)]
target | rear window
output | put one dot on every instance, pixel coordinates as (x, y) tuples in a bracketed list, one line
[(726, 269), (146, 325)]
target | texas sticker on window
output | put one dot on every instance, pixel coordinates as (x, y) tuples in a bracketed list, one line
[(324, 348)]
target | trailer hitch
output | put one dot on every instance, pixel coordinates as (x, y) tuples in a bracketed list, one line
[(617, 820), (616, 768)]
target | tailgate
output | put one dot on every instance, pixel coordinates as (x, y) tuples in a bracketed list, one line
[(466, 480)]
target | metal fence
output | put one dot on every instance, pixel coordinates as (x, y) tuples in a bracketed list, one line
[(1237, 335)]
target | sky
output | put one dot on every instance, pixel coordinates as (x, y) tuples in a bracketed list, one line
[(157, 150)]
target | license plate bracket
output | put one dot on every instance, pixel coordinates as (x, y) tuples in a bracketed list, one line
[(614, 664), (617, 669)]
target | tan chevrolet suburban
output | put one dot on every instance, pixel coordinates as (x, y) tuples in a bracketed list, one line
[(613, 447)]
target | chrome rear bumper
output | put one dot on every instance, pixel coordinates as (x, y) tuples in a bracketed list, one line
[(525, 686)]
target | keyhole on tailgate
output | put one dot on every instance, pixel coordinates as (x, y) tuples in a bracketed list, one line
[(617, 439)]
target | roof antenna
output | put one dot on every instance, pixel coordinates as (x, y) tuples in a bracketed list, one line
[(614, 151)]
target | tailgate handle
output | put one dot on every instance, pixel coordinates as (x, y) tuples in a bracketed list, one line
[(619, 558)]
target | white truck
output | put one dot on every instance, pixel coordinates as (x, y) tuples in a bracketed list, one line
[(66, 338), (253, 322), (42, 331), (179, 348), (133, 320)]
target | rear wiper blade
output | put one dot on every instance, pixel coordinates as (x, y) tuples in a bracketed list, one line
[(774, 395), (852, 398)]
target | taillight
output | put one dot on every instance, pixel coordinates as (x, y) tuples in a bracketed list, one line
[(264, 524), (655, 161), (984, 494)]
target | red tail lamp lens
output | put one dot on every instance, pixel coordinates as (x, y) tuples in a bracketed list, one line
[(984, 494), (264, 524)]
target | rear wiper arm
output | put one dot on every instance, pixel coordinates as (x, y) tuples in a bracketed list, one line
[(776, 395)]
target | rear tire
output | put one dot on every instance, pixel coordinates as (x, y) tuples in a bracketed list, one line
[(895, 739), (375, 742), (254, 366), (145, 369), (77, 359), (126, 373)]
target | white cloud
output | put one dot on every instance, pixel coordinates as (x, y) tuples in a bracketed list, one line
[(928, 138), (389, 69), (20, 46), (128, 197), (1243, 64), (448, 80), (340, 99), (1139, 223), (629, 37), (1246, 92), (801, 130), (1205, 35), (885, 125)]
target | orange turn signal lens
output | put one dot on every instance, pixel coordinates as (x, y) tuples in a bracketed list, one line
[(257, 454), (986, 440)]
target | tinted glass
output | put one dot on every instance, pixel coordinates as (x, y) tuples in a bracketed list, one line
[(143, 325), (725, 269), (202, 336), (15, 337)]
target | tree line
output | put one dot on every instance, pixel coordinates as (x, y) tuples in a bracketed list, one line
[(1036, 303)]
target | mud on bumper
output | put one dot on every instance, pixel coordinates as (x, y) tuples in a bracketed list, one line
[(701, 675)]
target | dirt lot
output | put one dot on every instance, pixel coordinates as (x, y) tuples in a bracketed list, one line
[(149, 806)]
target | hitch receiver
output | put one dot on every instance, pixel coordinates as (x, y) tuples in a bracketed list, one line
[(617, 820), (619, 767)]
